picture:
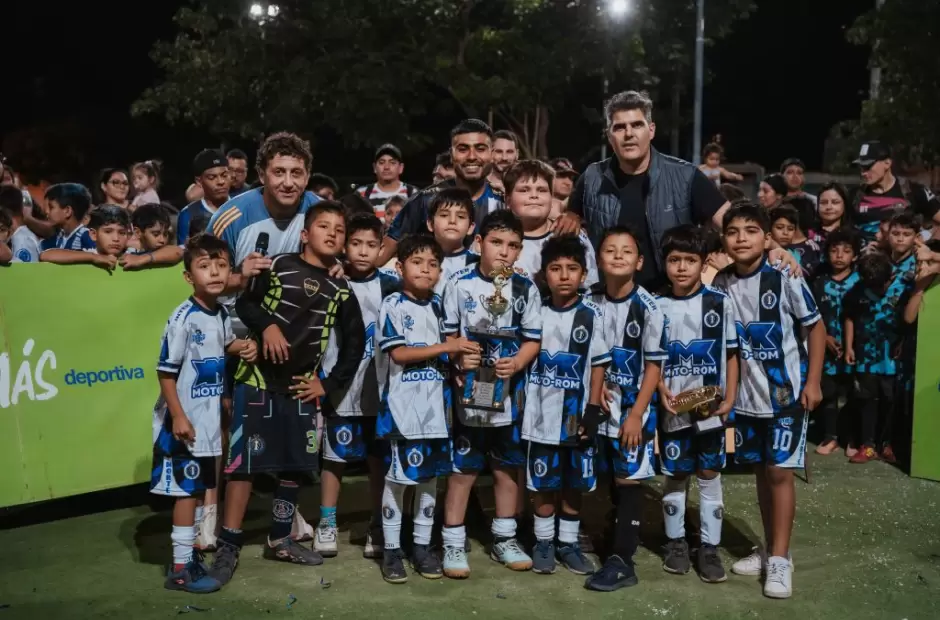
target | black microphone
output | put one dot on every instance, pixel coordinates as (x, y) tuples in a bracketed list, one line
[(261, 245)]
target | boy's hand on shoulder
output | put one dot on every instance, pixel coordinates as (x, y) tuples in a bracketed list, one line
[(254, 264), (833, 345), (812, 396), (781, 260), (249, 351), (631, 431), (307, 389), (718, 260), (568, 224), (183, 430), (108, 263), (132, 262), (274, 345)]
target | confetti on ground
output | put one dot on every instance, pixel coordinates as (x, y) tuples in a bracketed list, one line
[(291, 599), (189, 608), (324, 583), (500, 595)]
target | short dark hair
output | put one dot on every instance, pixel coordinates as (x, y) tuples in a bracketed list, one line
[(629, 100), (412, 244), (444, 159), (6, 219), (527, 169), (563, 246), (108, 214), (749, 212), (286, 144), (905, 219), (355, 203), (685, 238), (712, 147), (451, 196), (792, 161), (236, 154), (619, 229), (401, 201), (11, 200), (150, 214), (198, 225), (874, 270), (324, 206), (363, 221), (805, 209), (74, 195), (785, 212), (505, 134), (731, 192), (318, 180), (204, 243), (844, 236), (501, 219), (471, 125)]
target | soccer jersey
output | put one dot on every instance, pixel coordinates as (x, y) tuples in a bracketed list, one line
[(193, 349), (530, 258), (377, 196), (829, 294), (464, 309), (807, 255), (452, 264), (192, 211), (903, 273), (876, 328), (559, 386), (79, 239), (413, 217), (416, 397), (636, 334), (25, 246), (770, 307), (700, 331), (362, 395)]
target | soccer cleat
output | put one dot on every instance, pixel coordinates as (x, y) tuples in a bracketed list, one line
[(324, 541), (887, 454), (543, 557), (455, 562), (425, 563), (393, 566), (613, 575), (573, 558), (375, 544), (289, 550), (509, 553), (779, 583), (867, 453), (710, 569), (193, 578), (300, 530), (676, 557), (206, 539), (224, 563)]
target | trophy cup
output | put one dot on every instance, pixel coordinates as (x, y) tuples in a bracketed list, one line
[(700, 403), (482, 388)]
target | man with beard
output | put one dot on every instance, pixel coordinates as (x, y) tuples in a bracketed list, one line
[(211, 170), (505, 154), (471, 147)]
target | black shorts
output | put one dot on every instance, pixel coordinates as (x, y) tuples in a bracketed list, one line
[(472, 446), (179, 475), (350, 439), (271, 432)]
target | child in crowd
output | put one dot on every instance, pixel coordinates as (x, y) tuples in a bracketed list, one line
[(24, 244), (416, 403), (482, 436), (350, 415), (780, 383), (187, 432), (392, 206), (67, 204), (146, 180), (903, 234), (151, 224), (636, 333), (562, 407), (829, 289), (712, 168), (789, 234), (108, 227), (450, 220), (831, 211), (702, 352)]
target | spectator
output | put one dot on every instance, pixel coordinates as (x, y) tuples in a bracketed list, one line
[(211, 170), (772, 191), (146, 182), (712, 169), (505, 154), (194, 193), (114, 187), (323, 186), (107, 226), (24, 244), (443, 168), (388, 167), (794, 173), (237, 171), (67, 204), (562, 186), (392, 208)]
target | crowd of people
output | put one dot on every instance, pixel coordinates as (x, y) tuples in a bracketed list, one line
[(638, 309)]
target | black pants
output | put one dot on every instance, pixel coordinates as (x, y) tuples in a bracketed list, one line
[(876, 402), (835, 388)]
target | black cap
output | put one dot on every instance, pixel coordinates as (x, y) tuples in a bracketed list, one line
[(872, 151), (387, 149), (563, 167), (209, 158)]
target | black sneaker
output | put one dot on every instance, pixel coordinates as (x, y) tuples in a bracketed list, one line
[(289, 550), (613, 575), (676, 557), (393, 566), (225, 562), (709, 565), (426, 563)]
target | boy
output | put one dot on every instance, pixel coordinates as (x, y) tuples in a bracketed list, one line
[(562, 410), (529, 194), (903, 231), (187, 434), (107, 230), (392, 207), (785, 229), (416, 402), (295, 307), (450, 220), (830, 287), (702, 352), (481, 435), (349, 415), (776, 388), (23, 242), (151, 232), (67, 204), (636, 334)]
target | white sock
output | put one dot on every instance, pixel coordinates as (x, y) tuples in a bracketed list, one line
[(423, 508), (392, 499), (455, 536), (183, 539), (568, 530), (200, 515), (545, 528), (711, 509), (674, 507), (504, 528)]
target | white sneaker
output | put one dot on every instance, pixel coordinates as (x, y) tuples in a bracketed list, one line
[(375, 545), (752, 565), (779, 583), (325, 541), (206, 538), (300, 530)]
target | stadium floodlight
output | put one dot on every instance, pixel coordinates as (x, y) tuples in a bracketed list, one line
[(273, 10), (618, 8), (256, 11)]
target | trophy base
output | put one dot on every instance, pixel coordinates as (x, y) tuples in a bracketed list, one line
[(709, 425), (469, 403)]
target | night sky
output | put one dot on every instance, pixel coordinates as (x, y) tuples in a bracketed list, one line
[(781, 80)]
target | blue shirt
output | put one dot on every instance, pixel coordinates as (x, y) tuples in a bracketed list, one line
[(830, 294), (413, 216), (192, 211), (79, 239), (877, 327)]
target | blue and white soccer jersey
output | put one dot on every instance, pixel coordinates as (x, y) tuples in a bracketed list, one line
[(636, 333), (78, 240), (26, 246), (530, 258), (452, 264), (193, 349), (416, 398), (193, 211), (771, 309), (559, 388), (700, 331)]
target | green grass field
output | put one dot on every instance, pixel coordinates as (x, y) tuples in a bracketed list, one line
[(867, 545)]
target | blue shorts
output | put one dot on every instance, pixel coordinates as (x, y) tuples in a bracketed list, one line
[(472, 445), (686, 452), (412, 461), (349, 440), (636, 464), (557, 468), (182, 476), (779, 441)]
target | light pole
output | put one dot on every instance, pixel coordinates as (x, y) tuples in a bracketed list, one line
[(262, 12), (699, 80), (618, 11)]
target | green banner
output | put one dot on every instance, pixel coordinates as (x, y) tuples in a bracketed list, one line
[(78, 356), (925, 458)]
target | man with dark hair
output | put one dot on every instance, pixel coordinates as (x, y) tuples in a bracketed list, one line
[(323, 186), (237, 171), (443, 168), (794, 171), (388, 167), (505, 154), (211, 170)]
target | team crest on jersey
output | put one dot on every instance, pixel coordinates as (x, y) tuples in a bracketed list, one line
[(711, 319), (191, 470), (344, 436), (738, 438), (415, 458), (768, 300), (24, 256), (255, 445), (671, 509), (672, 450), (786, 422), (198, 338), (462, 446), (311, 287), (633, 329), (409, 322), (580, 334), (519, 305), (540, 468), (469, 304), (283, 510), (388, 512)]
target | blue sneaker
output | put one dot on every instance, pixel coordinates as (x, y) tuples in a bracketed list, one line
[(508, 553), (543, 557), (613, 575), (574, 559), (193, 578)]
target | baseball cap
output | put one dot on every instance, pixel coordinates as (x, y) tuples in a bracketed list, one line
[(872, 151), (208, 158), (562, 166), (387, 149)]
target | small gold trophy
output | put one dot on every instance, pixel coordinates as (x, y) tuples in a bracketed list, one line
[(700, 403)]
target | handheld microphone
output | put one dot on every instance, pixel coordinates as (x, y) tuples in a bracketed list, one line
[(261, 245)]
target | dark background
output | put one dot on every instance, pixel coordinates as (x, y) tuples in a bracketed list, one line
[(779, 82)]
